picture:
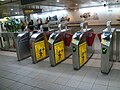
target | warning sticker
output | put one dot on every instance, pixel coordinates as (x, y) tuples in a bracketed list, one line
[(59, 51), (75, 41), (103, 42), (40, 50), (83, 53)]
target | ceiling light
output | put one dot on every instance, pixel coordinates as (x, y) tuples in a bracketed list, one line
[(11, 9), (58, 0), (76, 4), (2, 0), (16, 12), (75, 10)]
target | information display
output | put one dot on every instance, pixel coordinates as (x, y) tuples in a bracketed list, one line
[(59, 51), (76, 38), (52, 37), (40, 50), (83, 53)]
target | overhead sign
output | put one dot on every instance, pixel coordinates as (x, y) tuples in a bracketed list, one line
[(31, 11), (24, 2)]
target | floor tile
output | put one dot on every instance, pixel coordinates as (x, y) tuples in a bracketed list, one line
[(33, 82), (16, 86), (85, 86), (37, 89), (114, 83), (7, 83), (49, 86), (61, 81), (25, 87), (33, 74), (25, 80), (102, 79), (41, 76), (113, 88), (99, 87), (68, 88), (73, 83), (3, 88)]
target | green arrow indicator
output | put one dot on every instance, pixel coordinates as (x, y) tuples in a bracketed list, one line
[(74, 49), (104, 50)]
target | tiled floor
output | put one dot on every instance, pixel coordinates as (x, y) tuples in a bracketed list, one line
[(24, 75)]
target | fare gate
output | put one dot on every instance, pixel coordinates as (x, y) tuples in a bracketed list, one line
[(107, 44), (39, 46), (82, 47), (22, 45), (59, 48)]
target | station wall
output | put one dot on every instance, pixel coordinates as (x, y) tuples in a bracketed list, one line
[(98, 18), (98, 15)]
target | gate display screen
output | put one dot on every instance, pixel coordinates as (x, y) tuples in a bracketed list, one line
[(106, 33), (54, 36), (78, 35)]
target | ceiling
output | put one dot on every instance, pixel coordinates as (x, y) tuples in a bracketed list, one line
[(48, 5)]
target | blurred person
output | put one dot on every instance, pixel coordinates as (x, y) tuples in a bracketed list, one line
[(39, 23), (46, 21), (22, 25), (31, 25)]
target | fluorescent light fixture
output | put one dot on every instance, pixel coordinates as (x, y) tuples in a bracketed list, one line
[(93, 9), (2, 0), (11, 9), (58, 0), (76, 4), (19, 17)]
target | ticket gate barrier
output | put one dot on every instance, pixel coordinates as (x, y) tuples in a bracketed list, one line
[(99, 36), (22, 45), (39, 46), (90, 36), (7, 40), (58, 49), (118, 45), (82, 47), (107, 45)]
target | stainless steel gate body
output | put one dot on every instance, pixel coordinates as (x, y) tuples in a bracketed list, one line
[(80, 50), (107, 50), (22, 46), (39, 47)]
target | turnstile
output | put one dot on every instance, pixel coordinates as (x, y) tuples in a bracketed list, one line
[(39, 46), (59, 46), (82, 47), (107, 39), (22, 46), (118, 45)]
